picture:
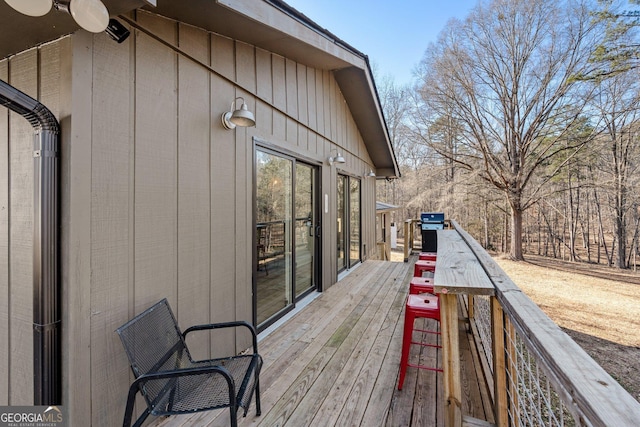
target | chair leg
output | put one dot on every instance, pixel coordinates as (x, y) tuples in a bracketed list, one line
[(128, 413), (258, 409), (406, 346), (233, 412)]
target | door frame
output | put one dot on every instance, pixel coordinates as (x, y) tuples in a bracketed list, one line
[(270, 148)]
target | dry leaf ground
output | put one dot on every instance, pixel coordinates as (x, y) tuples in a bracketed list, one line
[(598, 306)]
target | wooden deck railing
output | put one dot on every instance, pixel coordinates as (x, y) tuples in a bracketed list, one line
[(538, 374)]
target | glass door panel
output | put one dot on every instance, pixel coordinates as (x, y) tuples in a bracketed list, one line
[(354, 221), (274, 198), (342, 222), (305, 228)]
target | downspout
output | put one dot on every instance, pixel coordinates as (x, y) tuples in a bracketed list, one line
[(46, 291)]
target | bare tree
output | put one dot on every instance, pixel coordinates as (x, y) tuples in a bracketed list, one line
[(617, 103), (396, 106), (506, 78)]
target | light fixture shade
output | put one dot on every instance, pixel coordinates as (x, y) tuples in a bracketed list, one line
[(339, 159), (92, 15), (31, 7), (371, 174), (240, 117), (243, 117)]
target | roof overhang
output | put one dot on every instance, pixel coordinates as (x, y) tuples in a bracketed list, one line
[(268, 24), (382, 207)]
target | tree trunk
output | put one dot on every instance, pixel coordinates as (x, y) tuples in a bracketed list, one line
[(515, 251), (516, 235), (487, 242)]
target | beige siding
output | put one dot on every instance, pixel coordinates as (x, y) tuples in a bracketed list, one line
[(223, 196), (245, 72), (4, 247), (157, 197), (194, 188), (156, 154), (75, 165), (23, 75), (264, 87), (112, 228)]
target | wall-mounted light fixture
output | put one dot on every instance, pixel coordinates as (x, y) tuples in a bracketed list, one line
[(337, 159), (370, 174), (92, 15), (240, 117)]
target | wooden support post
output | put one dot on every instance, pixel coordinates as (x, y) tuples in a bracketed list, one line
[(500, 403), (451, 360), (406, 242)]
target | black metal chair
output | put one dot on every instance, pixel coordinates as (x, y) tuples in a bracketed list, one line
[(172, 382)]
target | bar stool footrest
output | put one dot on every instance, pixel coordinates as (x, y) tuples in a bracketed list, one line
[(428, 332), (424, 344), (427, 368)]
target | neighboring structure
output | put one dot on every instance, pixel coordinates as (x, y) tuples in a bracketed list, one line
[(384, 227), (159, 200)]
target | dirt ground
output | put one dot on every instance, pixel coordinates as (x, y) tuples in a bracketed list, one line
[(598, 306)]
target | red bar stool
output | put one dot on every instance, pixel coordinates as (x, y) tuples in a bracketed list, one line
[(418, 306), (427, 256), (421, 285), (421, 266)]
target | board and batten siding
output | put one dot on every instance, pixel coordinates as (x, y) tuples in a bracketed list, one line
[(156, 195), (4, 246)]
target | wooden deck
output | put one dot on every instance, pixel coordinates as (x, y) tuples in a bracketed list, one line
[(335, 363)]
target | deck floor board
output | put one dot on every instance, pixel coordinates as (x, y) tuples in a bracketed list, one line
[(335, 363)]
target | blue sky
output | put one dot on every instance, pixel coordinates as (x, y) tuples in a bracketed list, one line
[(393, 33)]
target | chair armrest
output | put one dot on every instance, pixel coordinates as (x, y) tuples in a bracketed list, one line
[(142, 379), (254, 335)]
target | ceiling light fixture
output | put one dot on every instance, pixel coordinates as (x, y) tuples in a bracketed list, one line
[(31, 7), (92, 15)]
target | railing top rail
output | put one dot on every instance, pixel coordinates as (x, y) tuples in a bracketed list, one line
[(587, 390)]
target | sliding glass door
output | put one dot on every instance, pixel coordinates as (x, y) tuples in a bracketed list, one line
[(286, 233), (348, 222)]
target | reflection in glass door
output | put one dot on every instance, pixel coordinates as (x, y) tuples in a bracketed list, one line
[(354, 221), (273, 234), (286, 230), (305, 236), (341, 216), (348, 222)]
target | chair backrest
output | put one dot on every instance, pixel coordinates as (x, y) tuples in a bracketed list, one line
[(153, 342)]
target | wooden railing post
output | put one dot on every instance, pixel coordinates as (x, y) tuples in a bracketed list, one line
[(406, 242), (500, 403), (451, 360), (409, 228), (411, 233)]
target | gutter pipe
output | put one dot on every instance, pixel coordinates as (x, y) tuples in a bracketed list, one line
[(47, 335)]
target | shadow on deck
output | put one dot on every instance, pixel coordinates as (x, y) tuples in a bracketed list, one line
[(335, 363)]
